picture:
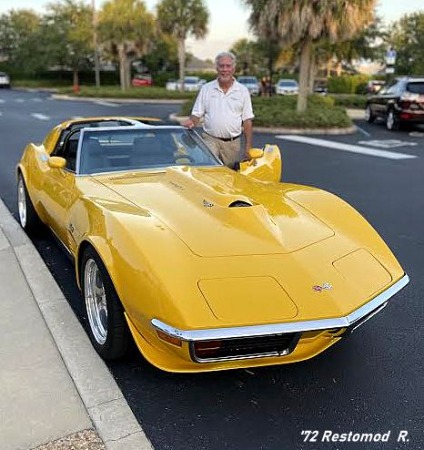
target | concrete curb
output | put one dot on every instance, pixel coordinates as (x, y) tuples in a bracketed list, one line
[(101, 396), (117, 100)]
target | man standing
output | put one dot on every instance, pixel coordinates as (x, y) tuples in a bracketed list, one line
[(226, 108)]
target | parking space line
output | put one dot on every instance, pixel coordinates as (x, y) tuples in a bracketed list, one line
[(347, 147), (40, 116)]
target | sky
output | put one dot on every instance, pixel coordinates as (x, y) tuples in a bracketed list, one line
[(228, 20)]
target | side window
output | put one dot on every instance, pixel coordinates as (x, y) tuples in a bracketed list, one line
[(69, 151)]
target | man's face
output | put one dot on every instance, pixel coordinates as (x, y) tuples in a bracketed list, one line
[(225, 69)]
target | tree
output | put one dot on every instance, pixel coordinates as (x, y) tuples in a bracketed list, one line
[(407, 38), (128, 29), (19, 39), (68, 35), (182, 18), (307, 22)]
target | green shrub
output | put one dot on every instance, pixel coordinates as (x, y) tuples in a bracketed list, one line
[(346, 84), (280, 111), (350, 101)]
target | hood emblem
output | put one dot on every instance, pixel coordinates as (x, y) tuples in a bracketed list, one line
[(207, 204), (322, 287)]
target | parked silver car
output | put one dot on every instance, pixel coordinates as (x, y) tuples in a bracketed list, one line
[(191, 84), (287, 86), (251, 83)]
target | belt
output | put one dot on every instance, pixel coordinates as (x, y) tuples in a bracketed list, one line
[(225, 139)]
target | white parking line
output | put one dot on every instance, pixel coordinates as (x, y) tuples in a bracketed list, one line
[(40, 116), (346, 147), (103, 103)]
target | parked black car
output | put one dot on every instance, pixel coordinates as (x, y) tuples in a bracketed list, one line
[(401, 101)]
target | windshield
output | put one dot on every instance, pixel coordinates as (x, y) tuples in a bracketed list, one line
[(287, 83), (129, 149), (248, 80), (191, 80)]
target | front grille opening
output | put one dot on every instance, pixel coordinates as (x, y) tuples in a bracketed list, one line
[(244, 348)]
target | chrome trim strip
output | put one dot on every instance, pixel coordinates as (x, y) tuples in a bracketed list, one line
[(279, 328)]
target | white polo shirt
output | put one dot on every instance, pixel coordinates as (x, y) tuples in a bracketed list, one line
[(223, 113)]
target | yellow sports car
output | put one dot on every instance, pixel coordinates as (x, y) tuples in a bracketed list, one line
[(205, 267)]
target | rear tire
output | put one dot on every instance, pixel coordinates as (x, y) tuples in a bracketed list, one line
[(107, 327), (392, 122), (28, 217)]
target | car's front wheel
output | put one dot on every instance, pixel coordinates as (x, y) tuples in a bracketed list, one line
[(107, 326), (28, 217), (369, 115), (392, 122)]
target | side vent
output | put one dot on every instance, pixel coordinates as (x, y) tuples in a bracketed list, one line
[(239, 204)]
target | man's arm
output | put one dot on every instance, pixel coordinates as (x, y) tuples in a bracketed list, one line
[(248, 135)]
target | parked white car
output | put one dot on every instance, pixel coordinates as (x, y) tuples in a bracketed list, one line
[(4, 80), (286, 86), (251, 83), (191, 84)]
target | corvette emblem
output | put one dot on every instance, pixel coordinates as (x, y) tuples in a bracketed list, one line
[(207, 204), (322, 287)]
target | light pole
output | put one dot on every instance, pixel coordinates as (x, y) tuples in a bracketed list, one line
[(96, 50)]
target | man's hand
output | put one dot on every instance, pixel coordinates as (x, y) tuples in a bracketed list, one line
[(191, 122)]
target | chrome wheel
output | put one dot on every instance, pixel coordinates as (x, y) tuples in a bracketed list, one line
[(369, 116), (95, 301), (22, 204), (391, 122)]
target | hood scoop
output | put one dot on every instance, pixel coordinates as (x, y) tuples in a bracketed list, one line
[(239, 204)]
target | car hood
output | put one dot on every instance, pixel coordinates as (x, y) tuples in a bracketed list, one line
[(219, 212)]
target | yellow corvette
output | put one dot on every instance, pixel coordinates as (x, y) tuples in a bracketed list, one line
[(205, 267)]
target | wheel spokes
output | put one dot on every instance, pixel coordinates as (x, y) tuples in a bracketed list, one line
[(95, 299)]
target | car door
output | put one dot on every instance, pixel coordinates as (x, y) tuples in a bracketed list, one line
[(59, 189), (386, 99)]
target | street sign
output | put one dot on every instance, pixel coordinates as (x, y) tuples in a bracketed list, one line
[(391, 57)]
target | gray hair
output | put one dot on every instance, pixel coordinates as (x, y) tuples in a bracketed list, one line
[(228, 54)]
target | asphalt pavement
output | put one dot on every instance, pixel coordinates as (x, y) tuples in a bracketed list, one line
[(55, 391)]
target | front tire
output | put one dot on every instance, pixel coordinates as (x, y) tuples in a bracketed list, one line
[(392, 122), (28, 217), (369, 116), (107, 326)]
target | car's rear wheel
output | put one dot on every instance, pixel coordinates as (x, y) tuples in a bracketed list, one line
[(107, 326), (392, 122), (369, 115), (28, 217)]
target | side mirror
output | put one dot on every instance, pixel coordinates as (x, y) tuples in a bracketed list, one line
[(255, 153), (265, 165), (56, 162)]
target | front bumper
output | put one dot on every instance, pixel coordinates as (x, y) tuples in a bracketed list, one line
[(348, 321)]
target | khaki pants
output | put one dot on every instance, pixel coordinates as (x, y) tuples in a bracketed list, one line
[(227, 151)]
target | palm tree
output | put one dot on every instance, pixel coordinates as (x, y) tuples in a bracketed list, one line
[(181, 18), (128, 28), (307, 22)]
